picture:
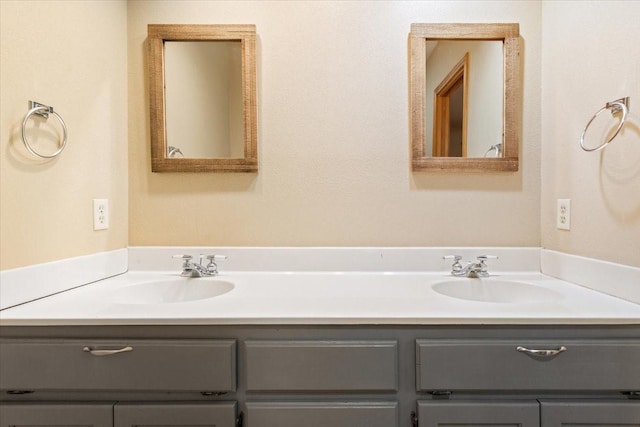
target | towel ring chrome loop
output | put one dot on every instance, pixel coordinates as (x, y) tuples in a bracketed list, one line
[(497, 148), (44, 110), (615, 107), (174, 151)]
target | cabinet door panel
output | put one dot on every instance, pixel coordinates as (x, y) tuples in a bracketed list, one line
[(196, 365), (27, 414), (175, 414), (590, 413), (321, 414), (478, 413), (321, 365), (498, 365)]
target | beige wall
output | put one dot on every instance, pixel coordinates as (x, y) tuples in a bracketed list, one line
[(71, 55), (332, 81), (591, 55), (333, 136)]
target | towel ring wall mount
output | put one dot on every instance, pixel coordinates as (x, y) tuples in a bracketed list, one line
[(38, 109), (615, 107)]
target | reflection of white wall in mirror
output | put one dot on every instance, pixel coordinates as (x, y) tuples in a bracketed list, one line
[(236, 129), (203, 95), (485, 93)]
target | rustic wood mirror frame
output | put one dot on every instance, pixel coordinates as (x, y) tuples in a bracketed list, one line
[(509, 35), (157, 34)]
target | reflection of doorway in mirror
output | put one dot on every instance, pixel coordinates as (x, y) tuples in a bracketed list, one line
[(483, 93), (450, 112), (457, 133)]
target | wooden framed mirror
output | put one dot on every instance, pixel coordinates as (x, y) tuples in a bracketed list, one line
[(464, 94), (203, 98)]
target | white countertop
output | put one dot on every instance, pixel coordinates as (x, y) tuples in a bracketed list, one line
[(317, 298)]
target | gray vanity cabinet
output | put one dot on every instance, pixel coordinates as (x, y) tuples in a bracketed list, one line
[(514, 365), (69, 414), (492, 370), (321, 414), (120, 414), (89, 367), (478, 413), (312, 368), (180, 414), (530, 413), (321, 366), (114, 365), (320, 376), (605, 413)]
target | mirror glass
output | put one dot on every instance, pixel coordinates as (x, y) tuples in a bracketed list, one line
[(464, 88), (464, 110), (203, 98)]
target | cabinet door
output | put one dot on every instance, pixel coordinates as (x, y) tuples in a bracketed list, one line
[(196, 414), (478, 413), (19, 414), (621, 413), (321, 414)]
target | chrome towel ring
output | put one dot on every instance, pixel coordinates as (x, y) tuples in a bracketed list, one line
[(174, 151), (497, 148), (43, 111), (616, 106)]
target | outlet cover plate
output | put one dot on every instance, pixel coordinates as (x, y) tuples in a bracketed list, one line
[(100, 214), (563, 214)]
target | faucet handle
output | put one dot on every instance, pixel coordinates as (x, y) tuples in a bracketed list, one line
[(483, 266), (456, 267), (212, 267), (186, 260)]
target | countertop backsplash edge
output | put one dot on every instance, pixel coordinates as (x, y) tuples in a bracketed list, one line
[(21, 285), (323, 259), (622, 281), (24, 284)]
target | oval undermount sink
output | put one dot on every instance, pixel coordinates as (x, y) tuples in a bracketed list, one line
[(172, 291), (491, 290)]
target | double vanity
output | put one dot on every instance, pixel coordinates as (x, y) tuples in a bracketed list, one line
[(322, 345)]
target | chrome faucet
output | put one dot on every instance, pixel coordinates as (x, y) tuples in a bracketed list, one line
[(472, 269), (193, 269)]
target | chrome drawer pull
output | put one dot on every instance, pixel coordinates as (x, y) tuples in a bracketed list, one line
[(541, 353), (107, 352)]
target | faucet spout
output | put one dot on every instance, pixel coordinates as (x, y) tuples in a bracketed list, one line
[(194, 269), (472, 269)]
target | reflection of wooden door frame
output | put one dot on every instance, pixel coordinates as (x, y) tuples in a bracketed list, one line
[(459, 75)]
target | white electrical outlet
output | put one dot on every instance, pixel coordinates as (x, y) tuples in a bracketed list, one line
[(563, 219), (100, 214)]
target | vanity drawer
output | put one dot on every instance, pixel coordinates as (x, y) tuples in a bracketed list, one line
[(477, 365), (136, 365), (321, 365)]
